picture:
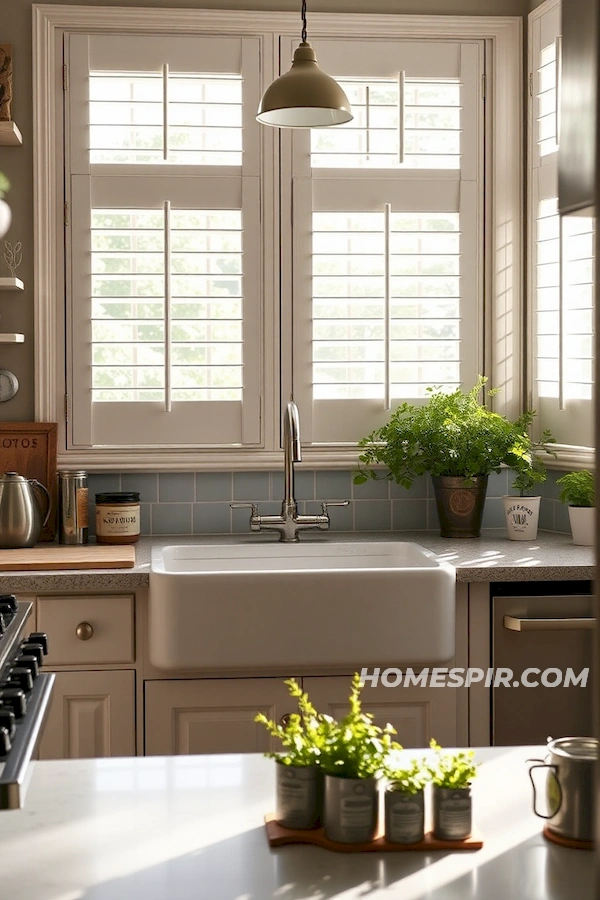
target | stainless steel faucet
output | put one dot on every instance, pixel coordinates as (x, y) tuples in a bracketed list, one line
[(289, 523)]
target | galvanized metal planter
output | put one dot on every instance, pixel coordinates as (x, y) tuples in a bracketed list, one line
[(452, 813), (404, 816), (351, 809), (460, 504), (299, 795)]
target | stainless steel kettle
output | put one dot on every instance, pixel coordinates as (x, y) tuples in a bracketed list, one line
[(21, 518), (569, 787)]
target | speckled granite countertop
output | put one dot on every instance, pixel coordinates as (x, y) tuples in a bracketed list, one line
[(552, 557)]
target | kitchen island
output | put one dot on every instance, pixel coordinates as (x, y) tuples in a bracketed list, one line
[(191, 827)]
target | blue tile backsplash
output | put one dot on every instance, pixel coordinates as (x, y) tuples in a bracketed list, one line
[(184, 503)]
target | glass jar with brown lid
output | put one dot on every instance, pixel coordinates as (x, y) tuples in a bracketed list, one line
[(118, 517)]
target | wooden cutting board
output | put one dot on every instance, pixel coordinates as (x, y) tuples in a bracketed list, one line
[(94, 556)]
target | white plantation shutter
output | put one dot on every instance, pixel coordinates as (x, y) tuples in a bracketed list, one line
[(387, 236), (562, 263), (164, 288)]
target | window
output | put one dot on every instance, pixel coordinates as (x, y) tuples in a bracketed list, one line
[(164, 296), (213, 266), (385, 214), (562, 261)]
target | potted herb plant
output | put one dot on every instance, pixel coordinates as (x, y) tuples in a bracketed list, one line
[(299, 779), (405, 802), (578, 489), (458, 440), (353, 758), (451, 776), (522, 512), (4, 207)]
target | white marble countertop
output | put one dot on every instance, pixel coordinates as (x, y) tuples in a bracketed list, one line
[(492, 557), (190, 828)]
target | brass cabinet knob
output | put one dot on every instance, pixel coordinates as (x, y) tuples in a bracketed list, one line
[(285, 720), (84, 631)]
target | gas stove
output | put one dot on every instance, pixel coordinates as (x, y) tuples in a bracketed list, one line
[(24, 697)]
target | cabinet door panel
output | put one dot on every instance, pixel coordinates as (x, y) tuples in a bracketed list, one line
[(92, 714), (417, 713), (212, 715)]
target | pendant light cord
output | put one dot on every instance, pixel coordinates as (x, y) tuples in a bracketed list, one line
[(303, 21)]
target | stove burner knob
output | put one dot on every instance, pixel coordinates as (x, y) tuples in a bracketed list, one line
[(10, 600), (39, 637), (3, 624), (20, 678), (15, 699), (7, 611), (30, 649), (28, 662), (4, 742), (7, 720)]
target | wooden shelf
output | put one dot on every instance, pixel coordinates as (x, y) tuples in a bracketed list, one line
[(10, 136), (11, 284), (12, 338)]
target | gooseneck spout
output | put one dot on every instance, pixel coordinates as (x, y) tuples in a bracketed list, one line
[(291, 452)]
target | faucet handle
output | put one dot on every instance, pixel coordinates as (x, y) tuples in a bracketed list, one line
[(327, 503), (254, 517)]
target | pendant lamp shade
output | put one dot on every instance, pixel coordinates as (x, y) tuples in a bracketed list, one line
[(304, 97)]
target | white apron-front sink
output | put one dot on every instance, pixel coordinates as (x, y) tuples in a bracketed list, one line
[(298, 606)]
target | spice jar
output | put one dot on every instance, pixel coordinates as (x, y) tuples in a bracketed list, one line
[(118, 517)]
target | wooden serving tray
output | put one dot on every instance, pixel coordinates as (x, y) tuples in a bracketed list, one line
[(278, 836)]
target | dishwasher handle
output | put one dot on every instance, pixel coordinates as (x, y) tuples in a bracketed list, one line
[(581, 623)]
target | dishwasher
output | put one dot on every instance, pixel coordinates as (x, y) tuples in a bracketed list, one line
[(546, 625)]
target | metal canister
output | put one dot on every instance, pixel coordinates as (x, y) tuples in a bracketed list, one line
[(569, 787), (72, 508)]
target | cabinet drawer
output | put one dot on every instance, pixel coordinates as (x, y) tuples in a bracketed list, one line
[(88, 630)]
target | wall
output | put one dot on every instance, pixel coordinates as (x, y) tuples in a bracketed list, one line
[(16, 310)]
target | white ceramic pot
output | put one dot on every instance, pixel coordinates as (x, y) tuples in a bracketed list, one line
[(5, 217), (583, 524), (522, 515)]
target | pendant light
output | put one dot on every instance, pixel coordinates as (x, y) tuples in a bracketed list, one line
[(304, 97)]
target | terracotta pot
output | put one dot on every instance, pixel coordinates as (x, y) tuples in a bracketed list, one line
[(460, 504)]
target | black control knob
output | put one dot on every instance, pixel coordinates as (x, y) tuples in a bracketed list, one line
[(30, 649), (28, 662), (9, 600), (7, 611), (20, 678), (4, 742), (7, 720), (3, 624), (39, 637), (14, 699)]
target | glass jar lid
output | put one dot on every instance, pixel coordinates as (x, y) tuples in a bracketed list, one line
[(118, 497)]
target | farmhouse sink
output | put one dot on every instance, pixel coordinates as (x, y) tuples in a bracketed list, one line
[(298, 606)]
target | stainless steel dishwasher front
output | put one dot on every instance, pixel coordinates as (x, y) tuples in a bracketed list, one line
[(550, 631)]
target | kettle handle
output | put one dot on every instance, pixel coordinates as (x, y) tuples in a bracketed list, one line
[(542, 765), (39, 484)]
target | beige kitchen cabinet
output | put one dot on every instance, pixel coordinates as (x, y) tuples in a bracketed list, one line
[(417, 713), (211, 715), (91, 714), (88, 629)]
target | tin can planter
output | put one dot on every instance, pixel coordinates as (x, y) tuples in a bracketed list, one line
[(460, 504), (299, 795), (452, 813), (351, 809), (404, 816), (522, 516)]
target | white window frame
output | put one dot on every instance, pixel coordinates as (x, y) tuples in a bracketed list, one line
[(502, 304), (568, 456)]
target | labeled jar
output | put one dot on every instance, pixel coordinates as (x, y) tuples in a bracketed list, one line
[(72, 507), (118, 517)]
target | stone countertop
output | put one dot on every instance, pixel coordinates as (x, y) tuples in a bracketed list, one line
[(492, 557), (191, 828)]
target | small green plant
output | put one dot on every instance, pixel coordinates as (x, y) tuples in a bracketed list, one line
[(452, 770), (578, 488), (452, 434), (524, 459), (4, 185), (301, 734), (355, 747), (410, 780)]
